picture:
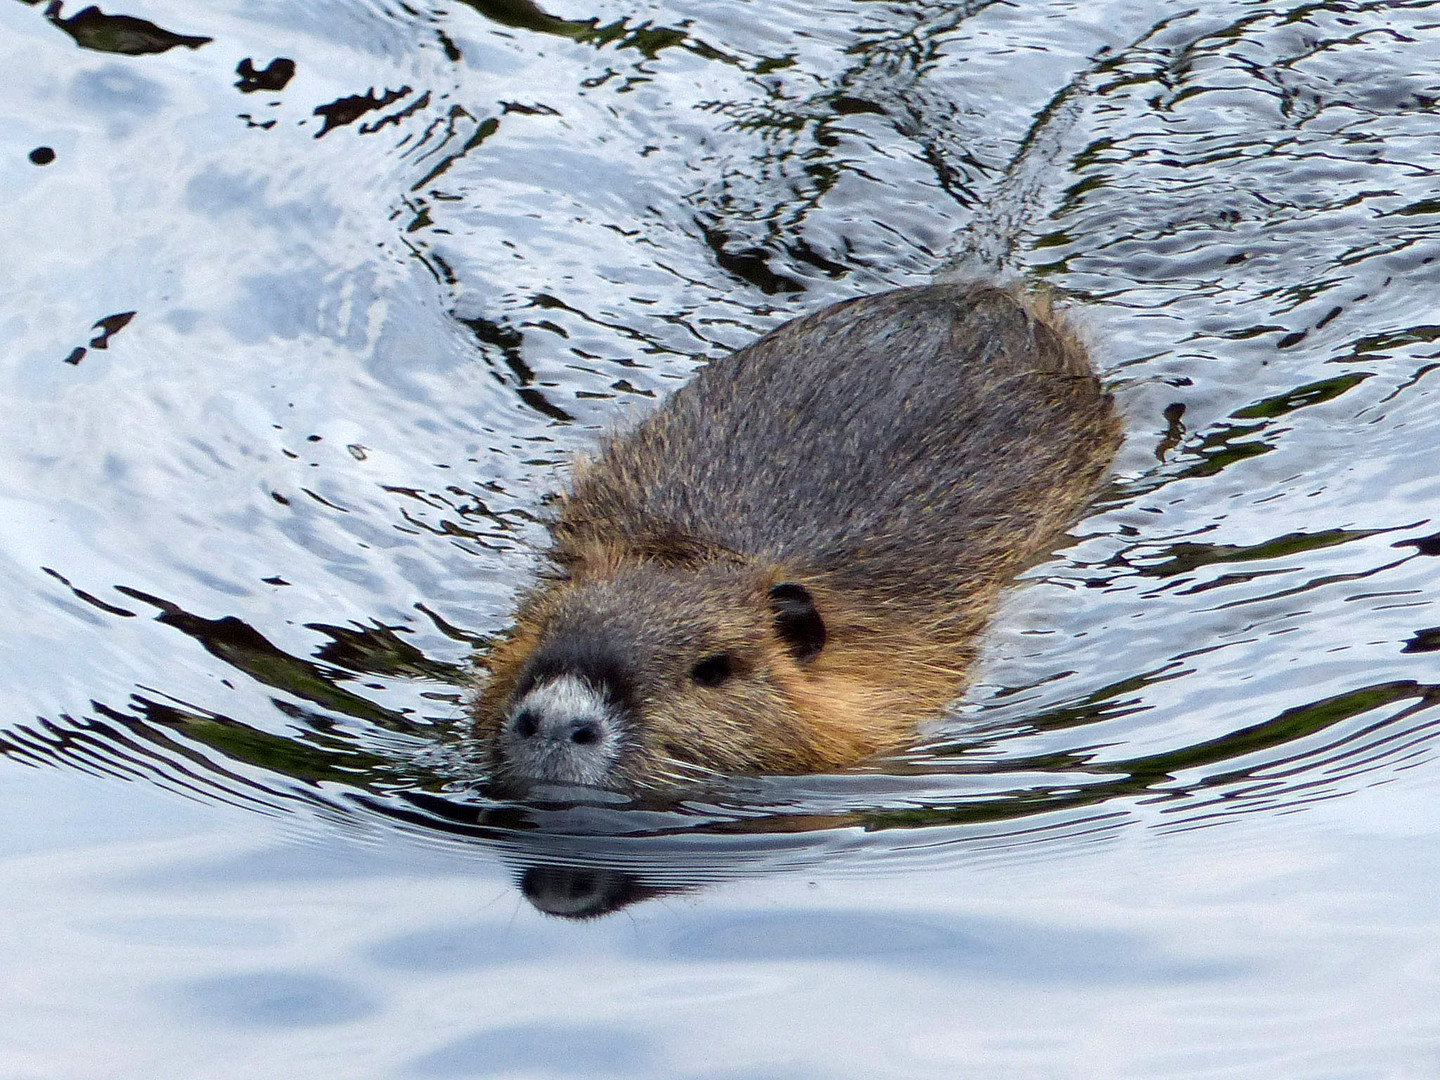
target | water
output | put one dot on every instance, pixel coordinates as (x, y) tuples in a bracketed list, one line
[(1184, 822)]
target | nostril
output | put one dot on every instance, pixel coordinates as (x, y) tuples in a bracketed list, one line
[(561, 731), (527, 724)]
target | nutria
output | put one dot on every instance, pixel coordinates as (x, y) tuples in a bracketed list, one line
[(786, 566)]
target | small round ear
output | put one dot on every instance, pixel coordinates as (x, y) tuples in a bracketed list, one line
[(797, 622)]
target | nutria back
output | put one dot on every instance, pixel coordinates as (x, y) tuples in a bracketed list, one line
[(912, 446), (785, 566)]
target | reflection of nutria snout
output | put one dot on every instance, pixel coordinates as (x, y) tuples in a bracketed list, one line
[(786, 565)]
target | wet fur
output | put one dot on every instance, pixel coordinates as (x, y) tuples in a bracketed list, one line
[(900, 456)]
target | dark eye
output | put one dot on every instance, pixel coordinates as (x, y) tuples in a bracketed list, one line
[(713, 670)]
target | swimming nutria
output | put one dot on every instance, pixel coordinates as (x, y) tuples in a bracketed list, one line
[(785, 566)]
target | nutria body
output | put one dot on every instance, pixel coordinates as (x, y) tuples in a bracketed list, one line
[(786, 565)]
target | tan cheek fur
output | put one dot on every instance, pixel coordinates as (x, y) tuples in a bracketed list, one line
[(871, 684), (862, 695), (744, 725)]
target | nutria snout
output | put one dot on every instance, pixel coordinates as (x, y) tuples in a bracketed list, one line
[(785, 566)]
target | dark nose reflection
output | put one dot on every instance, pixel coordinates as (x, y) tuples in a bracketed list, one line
[(583, 892)]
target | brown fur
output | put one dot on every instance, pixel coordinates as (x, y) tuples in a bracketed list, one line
[(671, 538)]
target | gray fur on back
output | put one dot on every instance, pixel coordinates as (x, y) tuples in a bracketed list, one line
[(928, 436)]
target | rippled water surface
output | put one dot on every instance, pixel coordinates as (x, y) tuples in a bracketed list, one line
[(304, 308)]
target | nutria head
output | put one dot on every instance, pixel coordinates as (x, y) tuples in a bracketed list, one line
[(654, 674)]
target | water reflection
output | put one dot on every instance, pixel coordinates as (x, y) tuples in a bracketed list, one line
[(585, 892), (93, 29), (272, 78)]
